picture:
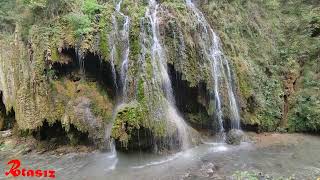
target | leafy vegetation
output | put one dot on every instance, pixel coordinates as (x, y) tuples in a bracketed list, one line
[(7, 18)]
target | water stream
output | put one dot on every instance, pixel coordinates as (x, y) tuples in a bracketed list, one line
[(124, 36), (161, 76), (124, 33), (113, 52), (80, 59), (220, 69)]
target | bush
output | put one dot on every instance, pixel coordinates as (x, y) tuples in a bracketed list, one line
[(80, 23), (91, 7), (7, 23)]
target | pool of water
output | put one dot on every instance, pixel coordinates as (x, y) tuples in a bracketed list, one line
[(300, 159)]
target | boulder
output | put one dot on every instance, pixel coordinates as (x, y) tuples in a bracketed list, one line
[(234, 137)]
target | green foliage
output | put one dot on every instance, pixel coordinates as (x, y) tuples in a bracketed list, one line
[(177, 5), (300, 46), (91, 7), (51, 74), (128, 119), (7, 18), (80, 23), (305, 106), (49, 8), (140, 91), (105, 27), (36, 3), (306, 114), (268, 40), (247, 30)]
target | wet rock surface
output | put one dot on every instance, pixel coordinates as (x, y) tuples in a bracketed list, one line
[(86, 121), (234, 137)]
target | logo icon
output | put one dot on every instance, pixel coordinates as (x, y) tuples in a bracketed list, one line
[(16, 171)]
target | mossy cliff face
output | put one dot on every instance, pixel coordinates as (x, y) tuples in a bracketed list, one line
[(273, 48), (272, 45)]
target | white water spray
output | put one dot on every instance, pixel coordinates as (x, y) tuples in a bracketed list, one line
[(80, 59), (220, 67), (123, 36), (159, 65), (125, 56)]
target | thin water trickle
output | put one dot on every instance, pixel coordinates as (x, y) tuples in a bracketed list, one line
[(181, 125), (220, 70), (113, 69), (113, 51), (113, 151), (116, 36), (125, 55), (232, 100), (161, 76), (120, 37), (80, 59)]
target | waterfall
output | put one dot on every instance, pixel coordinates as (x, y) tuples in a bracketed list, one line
[(112, 43), (121, 36), (232, 100), (161, 76), (80, 59), (113, 69), (116, 36), (220, 69), (125, 56)]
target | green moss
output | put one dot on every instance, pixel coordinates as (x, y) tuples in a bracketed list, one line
[(55, 55), (67, 91), (128, 119), (80, 23), (104, 47), (91, 7), (305, 104), (105, 27), (140, 91)]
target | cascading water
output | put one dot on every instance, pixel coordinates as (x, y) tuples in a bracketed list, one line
[(123, 37), (116, 36), (80, 59), (113, 69), (125, 56), (161, 76), (220, 69), (112, 43), (232, 100)]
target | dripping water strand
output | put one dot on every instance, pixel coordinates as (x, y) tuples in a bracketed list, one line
[(112, 42), (220, 66), (123, 36), (125, 58), (80, 58), (161, 76)]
